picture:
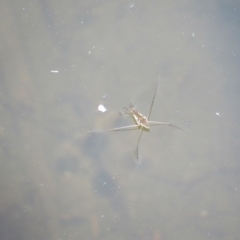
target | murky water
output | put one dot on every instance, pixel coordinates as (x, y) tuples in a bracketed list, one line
[(60, 60)]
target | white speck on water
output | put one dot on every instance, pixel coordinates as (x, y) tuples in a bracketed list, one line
[(104, 96), (101, 108), (54, 71), (132, 5), (193, 34), (218, 114)]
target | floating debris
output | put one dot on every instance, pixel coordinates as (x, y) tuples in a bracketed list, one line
[(101, 108)]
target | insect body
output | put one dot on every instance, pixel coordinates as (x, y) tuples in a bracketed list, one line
[(138, 117), (142, 122)]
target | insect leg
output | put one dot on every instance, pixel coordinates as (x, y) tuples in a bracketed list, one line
[(152, 102), (153, 123), (138, 142), (115, 129)]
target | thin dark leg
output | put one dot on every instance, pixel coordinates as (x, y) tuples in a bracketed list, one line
[(150, 111), (138, 142)]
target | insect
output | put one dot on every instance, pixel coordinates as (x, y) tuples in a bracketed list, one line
[(141, 121)]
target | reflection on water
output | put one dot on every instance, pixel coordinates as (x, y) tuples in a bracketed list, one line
[(55, 185)]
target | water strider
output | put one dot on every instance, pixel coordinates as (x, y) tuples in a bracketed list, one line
[(142, 122)]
